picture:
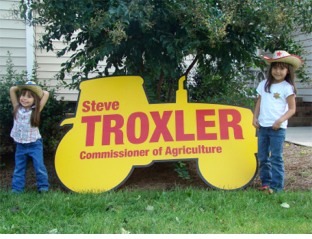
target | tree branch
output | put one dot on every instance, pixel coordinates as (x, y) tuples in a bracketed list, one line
[(192, 65)]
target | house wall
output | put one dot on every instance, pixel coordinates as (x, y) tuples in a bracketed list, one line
[(12, 38), (22, 43), (305, 89), (48, 66)]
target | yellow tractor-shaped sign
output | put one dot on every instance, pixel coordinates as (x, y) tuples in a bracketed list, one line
[(115, 129)]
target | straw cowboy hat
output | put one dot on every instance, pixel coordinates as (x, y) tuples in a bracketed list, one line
[(284, 56), (32, 86)]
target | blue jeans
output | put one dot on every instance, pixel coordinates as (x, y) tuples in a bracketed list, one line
[(270, 156), (35, 152)]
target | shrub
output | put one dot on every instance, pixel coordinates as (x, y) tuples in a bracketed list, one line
[(214, 89), (6, 119)]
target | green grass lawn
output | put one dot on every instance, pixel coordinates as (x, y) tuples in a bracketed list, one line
[(151, 212)]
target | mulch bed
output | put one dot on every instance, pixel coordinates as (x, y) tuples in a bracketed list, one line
[(162, 176)]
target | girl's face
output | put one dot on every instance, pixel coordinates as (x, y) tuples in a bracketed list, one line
[(26, 99), (279, 73)]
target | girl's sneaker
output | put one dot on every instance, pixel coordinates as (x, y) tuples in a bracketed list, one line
[(270, 191), (266, 189)]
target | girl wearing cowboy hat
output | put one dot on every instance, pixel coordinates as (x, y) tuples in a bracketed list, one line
[(28, 101), (275, 105)]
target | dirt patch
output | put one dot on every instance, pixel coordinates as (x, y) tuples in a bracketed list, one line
[(298, 167)]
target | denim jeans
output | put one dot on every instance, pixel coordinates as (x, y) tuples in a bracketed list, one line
[(35, 152), (270, 156)]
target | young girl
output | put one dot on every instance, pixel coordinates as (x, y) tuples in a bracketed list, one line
[(275, 105), (25, 132)]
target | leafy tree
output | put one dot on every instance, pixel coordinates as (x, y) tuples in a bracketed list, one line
[(151, 38)]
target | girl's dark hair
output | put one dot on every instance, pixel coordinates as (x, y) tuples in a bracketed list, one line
[(290, 77), (35, 114)]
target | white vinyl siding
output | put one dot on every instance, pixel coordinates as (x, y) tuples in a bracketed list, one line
[(49, 66), (12, 38), (305, 89)]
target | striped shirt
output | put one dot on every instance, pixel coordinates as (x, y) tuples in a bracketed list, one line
[(22, 131)]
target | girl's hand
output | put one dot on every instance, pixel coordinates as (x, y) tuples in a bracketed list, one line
[(276, 125), (255, 123), (290, 112)]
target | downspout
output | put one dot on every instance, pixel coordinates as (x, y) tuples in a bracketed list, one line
[(30, 57)]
